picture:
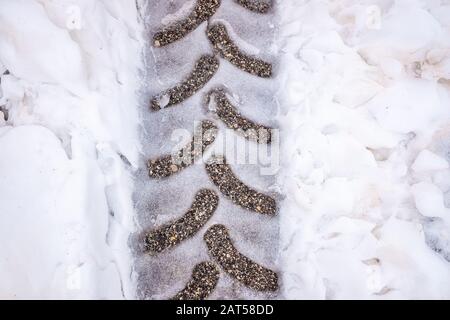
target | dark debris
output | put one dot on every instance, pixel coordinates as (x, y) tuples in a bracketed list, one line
[(222, 176), (238, 266), (171, 234)]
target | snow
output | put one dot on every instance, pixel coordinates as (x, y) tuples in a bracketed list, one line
[(427, 160), (65, 188), (361, 95), (364, 118)]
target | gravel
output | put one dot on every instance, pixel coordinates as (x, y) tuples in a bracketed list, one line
[(218, 36), (203, 282), (203, 10), (234, 120), (238, 266), (222, 176), (173, 233), (204, 136), (204, 70)]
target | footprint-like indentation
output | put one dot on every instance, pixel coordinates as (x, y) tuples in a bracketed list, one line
[(255, 5), (171, 234), (222, 43), (204, 135), (222, 176), (203, 282), (238, 266), (203, 10), (234, 120), (204, 70)]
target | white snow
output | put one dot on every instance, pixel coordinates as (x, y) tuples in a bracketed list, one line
[(427, 161), (66, 211), (363, 95), (364, 118)]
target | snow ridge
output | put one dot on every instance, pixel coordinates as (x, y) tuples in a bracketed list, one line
[(65, 188)]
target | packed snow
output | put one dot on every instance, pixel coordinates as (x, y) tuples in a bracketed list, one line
[(69, 118), (365, 110)]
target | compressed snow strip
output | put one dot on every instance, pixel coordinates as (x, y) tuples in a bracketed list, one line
[(430, 200), (204, 280), (204, 70), (238, 266), (168, 165), (171, 234), (155, 199), (428, 161), (203, 10)]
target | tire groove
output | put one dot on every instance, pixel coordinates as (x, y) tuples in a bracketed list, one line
[(234, 120), (222, 43), (204, 135), (173, 233), (255, 5), (203, 10), (205, 68), (239, 193), (204, 279), (238, 266)]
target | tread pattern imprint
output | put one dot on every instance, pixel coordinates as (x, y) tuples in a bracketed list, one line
[(208, 228)]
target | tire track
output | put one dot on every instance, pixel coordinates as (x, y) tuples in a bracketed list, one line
[(170, 246)]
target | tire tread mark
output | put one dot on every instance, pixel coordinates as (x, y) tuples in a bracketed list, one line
[(204, 279), (229, 185), (203, 10), (238, 266), (203, 207), (204, 135)]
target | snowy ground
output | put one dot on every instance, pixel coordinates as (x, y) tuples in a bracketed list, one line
[(70, 72), (364, 112)]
